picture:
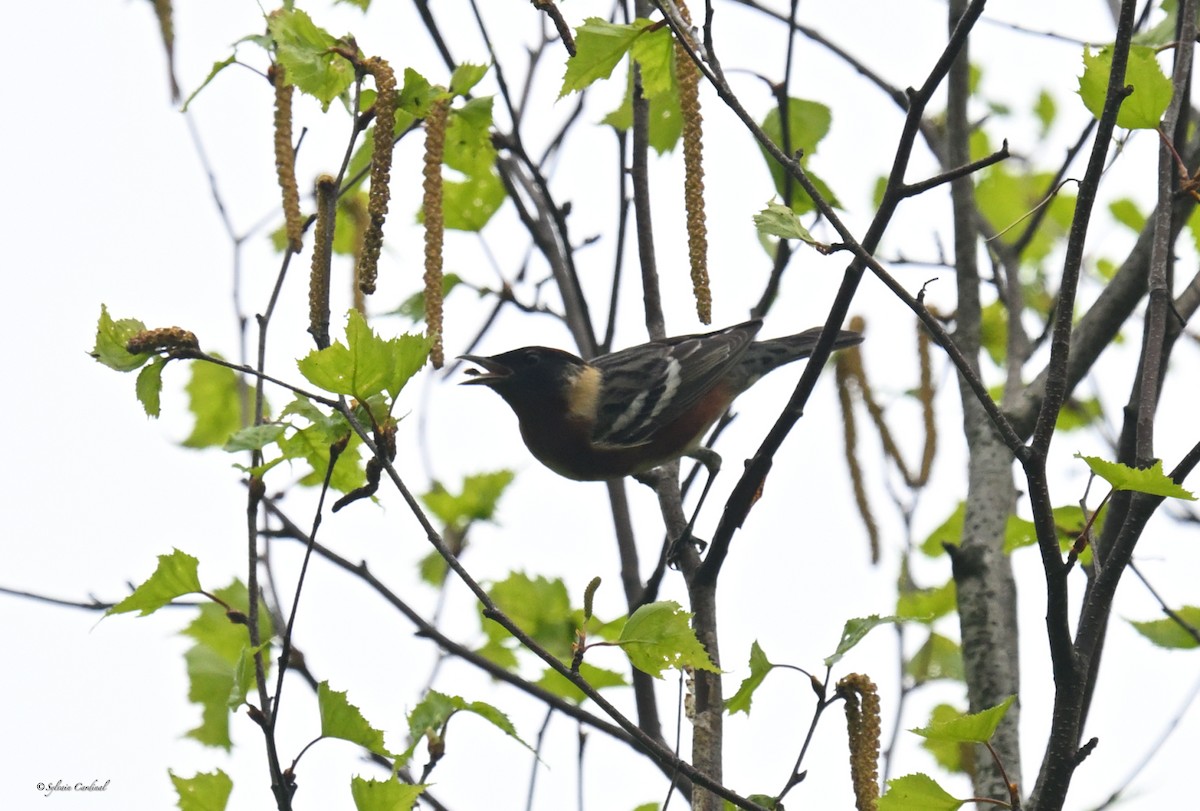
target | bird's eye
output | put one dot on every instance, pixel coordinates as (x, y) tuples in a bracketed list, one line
[(532, 359)]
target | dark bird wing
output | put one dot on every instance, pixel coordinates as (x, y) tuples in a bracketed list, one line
[(651, 385)]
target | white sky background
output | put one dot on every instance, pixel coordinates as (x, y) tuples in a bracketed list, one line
[(108, 203)]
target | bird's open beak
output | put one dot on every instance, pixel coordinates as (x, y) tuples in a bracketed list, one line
[(493, 371)]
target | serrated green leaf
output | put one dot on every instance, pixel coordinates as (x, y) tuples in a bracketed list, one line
[(210, 684), (1152, 480), (952, 756), (175, 576), (927, 605), (366, 364), (778, 220), (417, 94), (1144, 107), (204, 791), (384, 795), (434, 712), (305, 51), (760, 666), (341, 719), (149, 386), (111, 338), (540, 607), (212, 74), (1168, 633), (465, 77), (599, 47), (654, 51), (853, 632), (658, 636), (469, 148), (476, 501), (917, 792), (216, 666), (808, 124), (215, 398), (938, 658), (254, 437), (970, 728)]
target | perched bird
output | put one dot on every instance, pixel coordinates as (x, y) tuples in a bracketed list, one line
[(624, 413)]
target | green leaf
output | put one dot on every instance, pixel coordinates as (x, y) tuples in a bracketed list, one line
[(917, 792), (111, 338), (778, 220), (540, 607), (476, 502), (384, 795), (993, 331), (950, 532), (953, 756), (973, 728), (1168, 633), (255, 437), (361, 4), (304, 50), (1152, 480), (1006, 198), (1076, 414), (417, 94), (469, 147), (927, 605), (215, 397), (1144, 107), (598, 677), (853, 632), (212, 74), (204, 791), (760, 666), (341, 719), (655, 55), (413, 307), (369, 365), (149, 386), (465, 77), (938, 658), (1045, 109), (1126, 212), (175, 576), (666, 118), (658, 636), (434, 712), (219, 674), (1193, 225), (599, 46), (469, 204), (808, 124)]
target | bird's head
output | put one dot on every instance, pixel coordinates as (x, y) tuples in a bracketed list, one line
[(527, 377)]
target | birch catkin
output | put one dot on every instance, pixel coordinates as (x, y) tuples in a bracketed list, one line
[(435, 226), (285, 158), (381, 168)]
